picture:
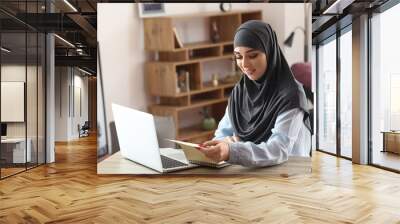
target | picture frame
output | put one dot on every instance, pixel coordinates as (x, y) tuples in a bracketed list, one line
[(183, 84), (151, 9)]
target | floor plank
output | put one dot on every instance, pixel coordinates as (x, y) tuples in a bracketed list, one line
[(69, 191), (386, 159)]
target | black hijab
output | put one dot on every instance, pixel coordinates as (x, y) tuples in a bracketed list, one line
[(255, 105)]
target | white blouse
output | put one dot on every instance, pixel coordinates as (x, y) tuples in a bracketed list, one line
[(290, 137)]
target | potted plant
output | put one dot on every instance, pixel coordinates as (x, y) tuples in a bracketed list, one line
[(209, 122)]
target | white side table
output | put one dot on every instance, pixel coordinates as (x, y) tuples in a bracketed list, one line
[(19, 149)]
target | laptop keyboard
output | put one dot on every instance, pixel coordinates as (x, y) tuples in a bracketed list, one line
[(170, 163)]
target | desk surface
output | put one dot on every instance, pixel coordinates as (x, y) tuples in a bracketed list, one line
[(13, 140), (390, 132), (116, 164)]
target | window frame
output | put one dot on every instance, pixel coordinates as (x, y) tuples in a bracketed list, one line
[(371, 13), (333, 37)]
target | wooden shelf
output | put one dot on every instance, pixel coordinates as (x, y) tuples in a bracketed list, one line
[(206, 44), (192, 106), (206, 59), (205, 102), (197, 52), (192, 61), (199, 45), (205, 14), (206, 87), (193, 132), (227, 49), (181, 65)]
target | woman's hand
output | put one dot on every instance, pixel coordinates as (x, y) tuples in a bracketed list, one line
[(216, 150)]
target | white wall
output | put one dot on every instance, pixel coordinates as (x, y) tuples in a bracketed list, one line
[(11, 74), (122, 44), (33, 126), (295, 17), (19, 73), (66, 121), (120, 36), (61, 103), (81, 108)]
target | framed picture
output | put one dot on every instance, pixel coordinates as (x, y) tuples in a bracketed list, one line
[(151, 9)]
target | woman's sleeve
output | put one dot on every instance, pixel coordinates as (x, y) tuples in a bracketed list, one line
[(276, 149), (224, 127)]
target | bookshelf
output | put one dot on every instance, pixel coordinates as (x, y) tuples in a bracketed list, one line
[(176, 59)]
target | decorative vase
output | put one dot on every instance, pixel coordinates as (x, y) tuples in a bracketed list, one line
[(214, 32), (215, 80), (209, 123)]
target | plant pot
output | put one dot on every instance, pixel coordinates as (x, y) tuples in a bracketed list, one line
[(209, 124)]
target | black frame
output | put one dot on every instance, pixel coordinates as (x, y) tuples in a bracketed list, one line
[(369, 70), (326, 40), (334, 37), (386, 6), (30, 30), (347, 28)]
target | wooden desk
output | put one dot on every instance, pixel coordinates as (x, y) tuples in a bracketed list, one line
[(391, 141), (116, 164)]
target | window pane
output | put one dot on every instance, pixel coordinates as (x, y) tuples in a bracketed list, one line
[(41, 98), (385, 84), (22, 79), (327, 97), (14, 146), (346, 94), (31, 101)]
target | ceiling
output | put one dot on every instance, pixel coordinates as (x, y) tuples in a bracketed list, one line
[(76, 22), (331, 15)]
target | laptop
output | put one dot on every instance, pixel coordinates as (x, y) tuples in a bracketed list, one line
[(138, 140)]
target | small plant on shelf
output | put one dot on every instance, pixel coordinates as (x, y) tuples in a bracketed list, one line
[(209, 122)]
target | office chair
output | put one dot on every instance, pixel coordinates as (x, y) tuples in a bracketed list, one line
[(84, 130), (302, 73)]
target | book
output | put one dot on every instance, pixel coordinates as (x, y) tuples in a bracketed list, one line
[(178, 42), (193, 155)]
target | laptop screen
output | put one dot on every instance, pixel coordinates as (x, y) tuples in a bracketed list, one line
[(102, 130)]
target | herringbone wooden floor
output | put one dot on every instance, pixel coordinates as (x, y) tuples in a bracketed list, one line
[(70, 191)]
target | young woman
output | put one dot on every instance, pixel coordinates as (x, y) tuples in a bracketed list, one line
[(266, 119)]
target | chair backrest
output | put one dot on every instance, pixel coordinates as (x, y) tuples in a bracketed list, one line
[(302, 72), (86, 125)]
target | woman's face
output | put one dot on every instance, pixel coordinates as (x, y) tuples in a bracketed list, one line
[(252, 62)]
